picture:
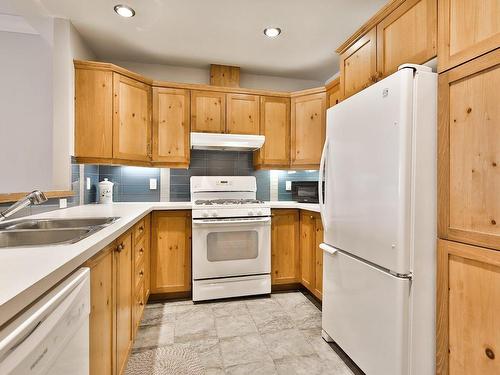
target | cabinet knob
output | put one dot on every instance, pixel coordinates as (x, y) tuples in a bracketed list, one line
[(489, 353), (120, 247), (141, 229), (141, 273)]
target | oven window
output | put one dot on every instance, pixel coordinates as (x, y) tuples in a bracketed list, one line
[(239, 245)]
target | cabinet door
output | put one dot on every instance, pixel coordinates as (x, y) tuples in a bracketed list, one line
[(407, 35), (242, 114), (93, 113), (333, 93), (318, 259), (102, 313), (171, 252), (147, 258), (131, 119), (285, 258), (208, 110), (171, 118), (307, 250), (124, 302), (275, 126), (467, 29), (468, 328), (358, 65), (308, 130), (469, 152)]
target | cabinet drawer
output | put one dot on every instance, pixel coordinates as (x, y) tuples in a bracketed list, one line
[(139, 274), (139, 229), (140, 249), (139, 302)]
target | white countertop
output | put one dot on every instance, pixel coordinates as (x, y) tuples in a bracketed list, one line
[(27, 273)]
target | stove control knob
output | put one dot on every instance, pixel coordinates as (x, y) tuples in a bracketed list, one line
[(250, 213), (259, 213), (204, 213), (214, 213)]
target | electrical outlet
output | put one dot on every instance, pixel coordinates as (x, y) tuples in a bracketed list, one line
[(88, 183), (152, 184), (63, 203), (288, 185)]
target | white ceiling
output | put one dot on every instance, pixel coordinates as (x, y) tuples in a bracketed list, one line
[(200, 32)]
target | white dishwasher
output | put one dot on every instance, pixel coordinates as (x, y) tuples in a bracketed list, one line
[(52, 335)]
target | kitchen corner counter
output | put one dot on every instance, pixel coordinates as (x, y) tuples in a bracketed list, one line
[(27, 273), (314, 207)]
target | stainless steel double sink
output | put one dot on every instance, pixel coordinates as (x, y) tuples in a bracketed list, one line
[(39, 232)]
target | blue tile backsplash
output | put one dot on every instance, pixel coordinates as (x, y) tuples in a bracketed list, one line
[(131, 184), (216, 163), (231, 163), (283, 176)]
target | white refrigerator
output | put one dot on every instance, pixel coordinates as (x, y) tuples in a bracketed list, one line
[(379, 217)]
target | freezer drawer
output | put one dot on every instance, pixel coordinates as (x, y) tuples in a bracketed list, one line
[(365, 311)]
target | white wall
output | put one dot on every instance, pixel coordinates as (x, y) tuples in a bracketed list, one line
[(26, 113), (199, 75), (68, 45)]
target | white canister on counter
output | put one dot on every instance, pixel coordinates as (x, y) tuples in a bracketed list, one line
[(105, 191)]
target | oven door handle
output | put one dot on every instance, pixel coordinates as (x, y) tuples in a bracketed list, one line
[(236, 221)]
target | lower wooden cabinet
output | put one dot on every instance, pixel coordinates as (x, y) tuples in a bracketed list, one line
[(285, 258), (141, 286), (468, 328), (119, 283), (102, 313), (123, 302), (171, 252), (311, 256)]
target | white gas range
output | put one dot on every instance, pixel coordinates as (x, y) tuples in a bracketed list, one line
[(231, 238)]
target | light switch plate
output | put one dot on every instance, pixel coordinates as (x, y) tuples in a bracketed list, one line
[(152, 184), (288, 185), (63, 203), (88, 183)]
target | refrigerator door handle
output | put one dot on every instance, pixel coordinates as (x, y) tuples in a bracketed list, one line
[(327, 248), (322, 164)]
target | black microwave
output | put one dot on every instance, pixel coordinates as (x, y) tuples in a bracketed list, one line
[(305, 191)]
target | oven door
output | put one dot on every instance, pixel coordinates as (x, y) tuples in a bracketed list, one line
[(231, 247)]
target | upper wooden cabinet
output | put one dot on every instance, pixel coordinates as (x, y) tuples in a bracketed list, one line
[(308, 130), (467, 29), (171, 119), (171, 252), (275, 126), (208, 109), (358, 65), (285, 252), (403, 31), (407, 35), (469, 152), (131, 119), (333, 95), (93, 113), (468, 328), (242, 114)]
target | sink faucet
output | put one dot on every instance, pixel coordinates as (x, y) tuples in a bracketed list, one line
[(35, 197)]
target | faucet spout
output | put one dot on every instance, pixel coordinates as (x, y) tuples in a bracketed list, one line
[(33, 198)]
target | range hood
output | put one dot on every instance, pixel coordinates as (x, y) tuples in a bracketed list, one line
[(226, 142)]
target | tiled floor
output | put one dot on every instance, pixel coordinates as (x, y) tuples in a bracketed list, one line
[(276, 335)]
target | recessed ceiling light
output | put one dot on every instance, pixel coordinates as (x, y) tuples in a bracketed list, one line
[(124, 11), (272, 32)]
